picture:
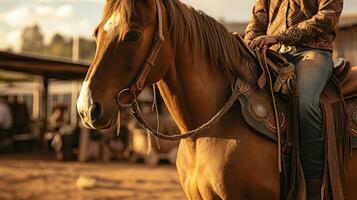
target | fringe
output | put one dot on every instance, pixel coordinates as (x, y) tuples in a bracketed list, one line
[(156, 110), (149, 143), (343, 140), (296, 185), (326, 193), (118, 123)]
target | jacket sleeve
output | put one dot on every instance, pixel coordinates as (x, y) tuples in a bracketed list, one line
[(325, 21), (259, 21)]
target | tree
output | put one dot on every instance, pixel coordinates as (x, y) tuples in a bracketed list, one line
[(32, 40), (86, 49), (62, 46), (59, 46)]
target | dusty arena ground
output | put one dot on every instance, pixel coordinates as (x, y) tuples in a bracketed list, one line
[(28, 178)]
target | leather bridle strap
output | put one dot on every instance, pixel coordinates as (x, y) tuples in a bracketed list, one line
[(240, 87), (267, 77), (151, 59), (146, 68)]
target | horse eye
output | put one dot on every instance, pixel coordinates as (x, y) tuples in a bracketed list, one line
[(95, 33), (132, 36)]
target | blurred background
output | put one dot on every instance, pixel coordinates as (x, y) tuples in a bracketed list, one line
[(45, 153)]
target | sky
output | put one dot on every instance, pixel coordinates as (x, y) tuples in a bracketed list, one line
[(81, 16)]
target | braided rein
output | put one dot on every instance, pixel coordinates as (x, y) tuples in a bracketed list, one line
[(239, 88)]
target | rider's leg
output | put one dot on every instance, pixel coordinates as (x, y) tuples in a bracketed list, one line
[(313, 68)]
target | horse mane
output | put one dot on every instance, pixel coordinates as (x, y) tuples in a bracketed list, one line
[(123, 10), (198, 34), (195, 34)]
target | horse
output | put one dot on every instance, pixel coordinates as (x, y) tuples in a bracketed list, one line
[(194, 68)]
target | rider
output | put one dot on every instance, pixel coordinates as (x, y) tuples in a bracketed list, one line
[(303, 31)]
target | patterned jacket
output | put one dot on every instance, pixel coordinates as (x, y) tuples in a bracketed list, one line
[(309, 23)]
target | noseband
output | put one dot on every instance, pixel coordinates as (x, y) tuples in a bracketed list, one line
[(126, 97)]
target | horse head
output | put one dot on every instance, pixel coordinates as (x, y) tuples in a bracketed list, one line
[(128, 38)]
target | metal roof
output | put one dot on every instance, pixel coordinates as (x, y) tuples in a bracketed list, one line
[(49, 67)]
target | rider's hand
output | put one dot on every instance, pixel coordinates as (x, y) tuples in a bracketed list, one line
[(264, 41)]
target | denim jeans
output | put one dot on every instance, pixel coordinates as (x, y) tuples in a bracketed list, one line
[(314, 68)]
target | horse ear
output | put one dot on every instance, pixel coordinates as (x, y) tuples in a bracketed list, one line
[(148, 2)]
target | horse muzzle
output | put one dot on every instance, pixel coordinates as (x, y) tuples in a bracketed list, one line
[(93, 116), (90, 111)]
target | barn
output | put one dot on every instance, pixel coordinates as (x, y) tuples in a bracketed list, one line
[(346, 40)]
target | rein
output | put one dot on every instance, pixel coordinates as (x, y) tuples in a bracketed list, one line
[(127, 98), (240, 88)]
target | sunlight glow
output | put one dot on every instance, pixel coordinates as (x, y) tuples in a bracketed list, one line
[(112, 22)]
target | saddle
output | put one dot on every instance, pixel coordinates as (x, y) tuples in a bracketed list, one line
[(257, 105), (339, 106), (257, 109)]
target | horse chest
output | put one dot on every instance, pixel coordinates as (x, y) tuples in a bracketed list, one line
[(200, 184), (203, 171)]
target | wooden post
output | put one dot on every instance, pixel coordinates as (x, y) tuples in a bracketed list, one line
[(44, 106), (74, 95), (75, 84), (36, 100), (84, 141), (75, 48)]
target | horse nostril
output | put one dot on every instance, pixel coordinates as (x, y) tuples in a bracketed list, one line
[(95, 111), (81, 114)]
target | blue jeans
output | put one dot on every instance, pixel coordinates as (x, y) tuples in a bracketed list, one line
[(314, 69)]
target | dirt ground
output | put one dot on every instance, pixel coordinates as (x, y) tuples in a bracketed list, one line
[(28, 178)]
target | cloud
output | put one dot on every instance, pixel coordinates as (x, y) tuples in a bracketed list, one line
[(43, 10), (15, 18), (51, 19), (23, 16), (13, 39), (230, 10), (4, 44), (64, 11)]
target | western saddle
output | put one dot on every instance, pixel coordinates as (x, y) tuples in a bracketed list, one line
[(263, 112), (257, 108)]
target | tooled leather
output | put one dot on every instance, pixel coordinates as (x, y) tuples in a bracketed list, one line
[(266, 125), (263, 123), (349, 88), (351, 109)]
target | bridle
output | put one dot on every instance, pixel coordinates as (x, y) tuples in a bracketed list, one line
[(126, 97)]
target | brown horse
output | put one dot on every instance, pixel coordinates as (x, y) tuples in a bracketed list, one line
[(194, 70)]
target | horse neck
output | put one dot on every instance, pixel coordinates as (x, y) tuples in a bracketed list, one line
[(193, 93), (194, 88)]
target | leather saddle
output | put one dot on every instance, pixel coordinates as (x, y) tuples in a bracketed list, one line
[(347, 76), (257, 105), (338, 104)]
